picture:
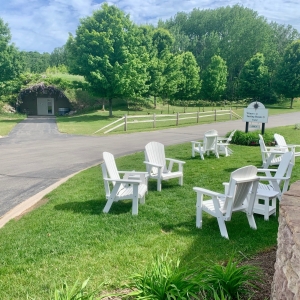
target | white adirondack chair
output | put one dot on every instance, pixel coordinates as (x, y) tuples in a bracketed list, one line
[(271, 156), (223, 144), (279, 182), (210, 143), (239, 196), (132, 186), (159, 167), (283, 146)]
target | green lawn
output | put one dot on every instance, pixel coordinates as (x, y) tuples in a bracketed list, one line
[(8, 122), (89, 123), (69, 237)]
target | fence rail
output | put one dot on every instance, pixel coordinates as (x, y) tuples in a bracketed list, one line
[(126, 120)]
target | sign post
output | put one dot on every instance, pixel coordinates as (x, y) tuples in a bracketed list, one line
[(256, 112)]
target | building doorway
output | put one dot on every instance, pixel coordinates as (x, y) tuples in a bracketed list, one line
[(45, 106)]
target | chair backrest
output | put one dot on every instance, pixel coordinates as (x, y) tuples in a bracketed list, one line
[(280, 141), (241, 182), (110, 165), (284, 166), (155, 153), (263, 149), (210, 140), (230, 136)]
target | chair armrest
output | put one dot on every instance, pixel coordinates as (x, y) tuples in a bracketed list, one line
[(152, 164), (278, 151), (128, 181), (266, 170), (207, 192), (222, 139), (175, 160), (133, 172), (263, 178), (196, 143), (222, 144)]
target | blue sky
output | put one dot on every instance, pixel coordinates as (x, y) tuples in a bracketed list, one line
[(42, 25)]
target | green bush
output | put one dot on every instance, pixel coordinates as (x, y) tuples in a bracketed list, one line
[(251, 138), (73, 293), (230, 281), (165, 279)]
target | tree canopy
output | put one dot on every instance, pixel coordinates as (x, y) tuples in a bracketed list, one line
[(107, 51), (11, 63), (288, 75)]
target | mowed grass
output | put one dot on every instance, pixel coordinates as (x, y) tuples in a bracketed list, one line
[(8, 122), (69, 237), (89, 123)]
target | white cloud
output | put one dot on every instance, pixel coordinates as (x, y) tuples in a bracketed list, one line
[(42, 25)]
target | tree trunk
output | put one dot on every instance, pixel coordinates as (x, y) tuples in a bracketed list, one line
[(154, 101), (110, 107), (292, 100)]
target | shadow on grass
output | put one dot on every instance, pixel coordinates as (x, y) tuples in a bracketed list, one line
[(95, 207), (10, 120)]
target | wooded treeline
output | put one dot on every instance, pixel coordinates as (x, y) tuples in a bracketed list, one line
[(225, 53)]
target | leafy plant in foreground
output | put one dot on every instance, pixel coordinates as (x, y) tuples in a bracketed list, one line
[(230, 280), (73, 293), (165, 279)]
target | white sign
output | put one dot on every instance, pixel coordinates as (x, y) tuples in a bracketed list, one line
[(254, 126), (256, 112)]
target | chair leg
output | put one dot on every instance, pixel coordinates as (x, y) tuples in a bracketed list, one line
[(251, 221), (159, 184), (222, 227), (199, 214), (193, 152), (135, 200), (108, 205), (181, 180)]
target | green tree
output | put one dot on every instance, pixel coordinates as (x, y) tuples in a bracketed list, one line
[(288, 74), (254, 79), (171, 74), (11, 62), (161, 43), (36, 62), (58, 57), (189, 84), (234, 32), (215, 79), (107, 50)]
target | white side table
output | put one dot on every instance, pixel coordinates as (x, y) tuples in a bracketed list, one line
[(267, 208)]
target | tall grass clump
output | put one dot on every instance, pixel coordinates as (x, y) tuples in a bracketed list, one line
[(230, 281), (165, 279)]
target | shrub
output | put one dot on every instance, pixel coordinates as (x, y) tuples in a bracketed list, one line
[(165, 279), (297, 126), (73, 293), (250, 138), (230, 281)]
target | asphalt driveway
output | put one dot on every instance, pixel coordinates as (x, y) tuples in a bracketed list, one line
[(36, 155)]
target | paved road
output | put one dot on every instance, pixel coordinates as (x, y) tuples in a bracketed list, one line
[(35, 155)]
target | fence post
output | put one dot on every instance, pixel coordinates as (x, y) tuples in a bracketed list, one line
[(215, 115), (125, 123), (154, 119), (230, 114), (198, 117), (177, 119)]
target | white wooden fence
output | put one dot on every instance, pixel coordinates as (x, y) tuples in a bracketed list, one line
[(134, 119)]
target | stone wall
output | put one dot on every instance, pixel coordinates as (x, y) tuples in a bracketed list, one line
[(286, 282)]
